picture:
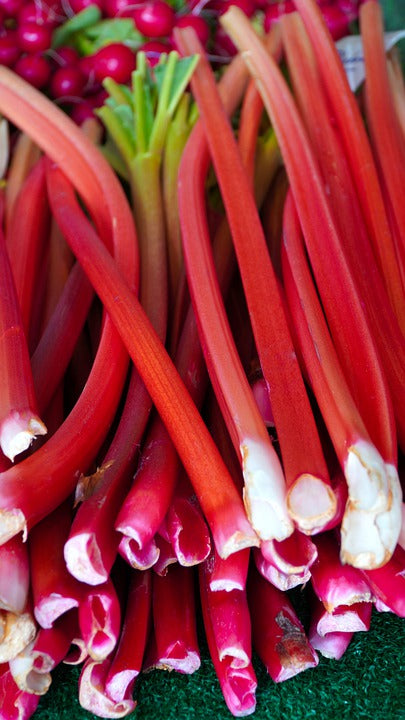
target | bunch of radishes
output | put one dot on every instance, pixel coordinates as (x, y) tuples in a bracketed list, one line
[(72, 76)]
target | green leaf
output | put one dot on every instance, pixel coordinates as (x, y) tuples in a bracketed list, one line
[(181, 75), (115, 30), (77, 23)]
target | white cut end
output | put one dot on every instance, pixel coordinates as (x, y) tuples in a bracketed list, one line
[(349, 621), (369, 538), (18, 632), (12, 522), (140, 558), (119, 686), (264, 491), (367, 478), (83, 559), (237, 656), (93, 698), (52, 608), (18, 431), (25, 674), (187, 662), (311, 503)]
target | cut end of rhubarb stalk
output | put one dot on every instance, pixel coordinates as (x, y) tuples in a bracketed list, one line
[(83, 559), (25, 674), (264, 493), (140, 557), (369, 538), (18, 431), (120, 685), (311, 503), (52, 607), (92, 696), (180, 659), (18, 632), (12, 522), (366, 476)]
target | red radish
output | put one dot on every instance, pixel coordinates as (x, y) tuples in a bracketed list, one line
[(199, 25), (10, 8), (65, 55), (116, 61), (33, 38), (67, 81), (35, 69), (153, 49), (79, 5), (154, 18), (9, 50)]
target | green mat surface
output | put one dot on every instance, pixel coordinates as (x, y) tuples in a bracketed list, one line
[(367, 683)]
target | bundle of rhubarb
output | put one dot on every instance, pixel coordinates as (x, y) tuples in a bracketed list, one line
[(202, 317)]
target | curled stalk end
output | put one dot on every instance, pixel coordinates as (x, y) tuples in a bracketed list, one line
[(18, 431)]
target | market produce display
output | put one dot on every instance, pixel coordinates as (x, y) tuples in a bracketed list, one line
[(202, 318)]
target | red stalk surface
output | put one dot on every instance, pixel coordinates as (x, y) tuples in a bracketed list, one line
[(27, 238), (70, 449), (19, 420), (92, 694), (100, 620), (342, 195), (238, 684), (54, 590), (15, 704), (376, 493), (185, 526), (126, 663), (55, 348), (302, 457), (219, 501), (358, 150), (355, 345)]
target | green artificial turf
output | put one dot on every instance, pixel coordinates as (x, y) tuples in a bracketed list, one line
[(367, 683)]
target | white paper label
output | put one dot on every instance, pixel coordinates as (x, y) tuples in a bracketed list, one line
[(351, 52)]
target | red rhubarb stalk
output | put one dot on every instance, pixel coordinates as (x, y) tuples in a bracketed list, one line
[(201, 460), (238, 684), (19, 420), (31, 668), (342, 195), (100, 619), (26, 239), (54, 590), (278, 636), (358, 150), (15, 704), (126, 663), (303, 462), (174, 621), (370, 525), (92, 694), (305, 181)]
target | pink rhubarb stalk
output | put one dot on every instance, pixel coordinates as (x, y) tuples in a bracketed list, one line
[(100, 620)]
